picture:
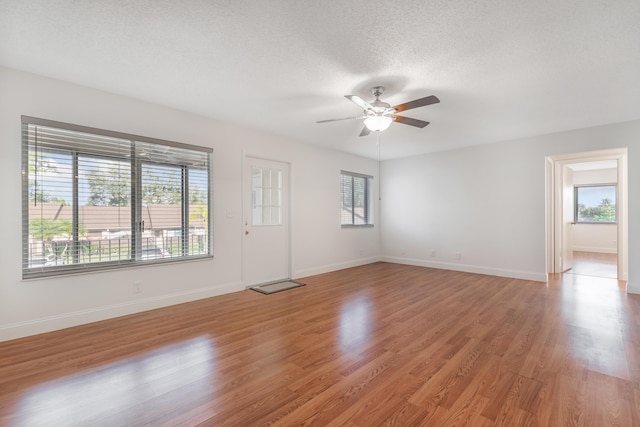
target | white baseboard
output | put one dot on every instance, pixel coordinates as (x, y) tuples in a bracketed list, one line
[(491, 271), (334, 267), (595, 249), (67, 320), (633, 288)]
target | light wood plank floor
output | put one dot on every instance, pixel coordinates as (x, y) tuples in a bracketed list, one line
[(377, 345), (595, 264)]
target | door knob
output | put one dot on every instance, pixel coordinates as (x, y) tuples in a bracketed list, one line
[(246, 232)]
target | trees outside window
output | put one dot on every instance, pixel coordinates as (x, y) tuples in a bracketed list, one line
[(595, 204), (95, 199)]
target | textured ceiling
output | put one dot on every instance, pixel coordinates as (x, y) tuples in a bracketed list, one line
[(503, 69)]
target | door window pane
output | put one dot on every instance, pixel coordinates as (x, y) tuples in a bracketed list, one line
[(266, 189)]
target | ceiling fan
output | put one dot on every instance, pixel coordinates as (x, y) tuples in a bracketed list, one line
[(378, 115)]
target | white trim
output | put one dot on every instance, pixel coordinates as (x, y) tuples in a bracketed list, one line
[(500, 272), (549, 215), (334, 267), (595, 249), (618, 154), (82, 317), (633, 288)]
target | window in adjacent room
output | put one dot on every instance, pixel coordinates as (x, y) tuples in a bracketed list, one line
[(96, 199), (595, 204), (355, 203)]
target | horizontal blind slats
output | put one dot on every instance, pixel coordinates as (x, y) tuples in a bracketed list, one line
[(79, 192)]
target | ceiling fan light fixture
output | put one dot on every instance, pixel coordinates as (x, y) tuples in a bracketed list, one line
[(377, 123), (379, 115)]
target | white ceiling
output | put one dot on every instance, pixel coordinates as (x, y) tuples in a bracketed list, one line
[(503, 69)]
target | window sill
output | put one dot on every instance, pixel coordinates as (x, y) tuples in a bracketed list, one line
[(596, 223), (81, 269)]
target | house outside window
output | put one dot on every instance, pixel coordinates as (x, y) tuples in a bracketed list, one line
[(595, 204), (355, 206), (96, 199)]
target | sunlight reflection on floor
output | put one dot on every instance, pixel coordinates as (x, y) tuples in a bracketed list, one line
[(118, 388), (355, 324), (591, 308)]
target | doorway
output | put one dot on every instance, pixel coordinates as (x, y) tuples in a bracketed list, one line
[(266, 244), (587, 214), (596, 264)]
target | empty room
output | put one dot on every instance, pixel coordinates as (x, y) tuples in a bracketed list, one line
[(364, 213)]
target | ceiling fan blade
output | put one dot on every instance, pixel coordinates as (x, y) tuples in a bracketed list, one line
[(365, 131), (427, 100), (409, 121), (336, 120), (359, 101)]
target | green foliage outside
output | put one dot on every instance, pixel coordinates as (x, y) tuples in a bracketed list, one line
[(113, 188), (47, 229), (39, 163), (109, 188), (604, 212)]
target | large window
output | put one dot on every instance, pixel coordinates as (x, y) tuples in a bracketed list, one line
[(355, 206), (595, 204), (95, 199)]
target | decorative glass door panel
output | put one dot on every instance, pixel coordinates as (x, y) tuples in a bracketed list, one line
[(266, 206)]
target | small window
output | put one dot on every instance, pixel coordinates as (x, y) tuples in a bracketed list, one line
[(595, 204), (96, 199), (355, 206), (266, 206)]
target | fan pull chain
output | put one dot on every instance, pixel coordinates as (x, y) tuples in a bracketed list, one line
[(379, 169)]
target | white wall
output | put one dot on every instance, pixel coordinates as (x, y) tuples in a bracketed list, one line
[(485, 202), (488, 203), (595, 176), (319, 244), (602, 238)]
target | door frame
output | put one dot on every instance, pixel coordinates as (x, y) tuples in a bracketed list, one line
[(244, 207), (553, 216)]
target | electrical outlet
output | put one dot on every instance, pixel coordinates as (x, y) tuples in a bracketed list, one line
[(458, 256), (137, 287), (434, 254)]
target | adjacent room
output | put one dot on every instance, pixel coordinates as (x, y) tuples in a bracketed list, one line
[(437, 203)]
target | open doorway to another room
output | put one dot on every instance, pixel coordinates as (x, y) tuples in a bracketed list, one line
[(596, 264), (595, 223), (586, 214)]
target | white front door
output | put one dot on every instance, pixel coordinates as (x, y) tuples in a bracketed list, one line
[(265, 246)]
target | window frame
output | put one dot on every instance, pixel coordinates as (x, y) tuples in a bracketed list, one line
[(576, 188), (367, 200), (135, 161)]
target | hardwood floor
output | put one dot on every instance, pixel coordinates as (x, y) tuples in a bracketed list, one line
[(595, 264), (377, 345)]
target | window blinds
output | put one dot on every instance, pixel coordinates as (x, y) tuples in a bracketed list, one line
[(95, 199)]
